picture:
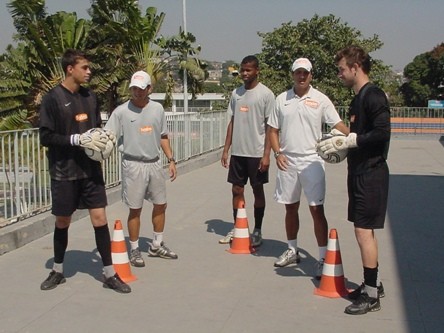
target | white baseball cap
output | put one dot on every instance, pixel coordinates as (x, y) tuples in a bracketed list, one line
[(302, 63), (140, 79)]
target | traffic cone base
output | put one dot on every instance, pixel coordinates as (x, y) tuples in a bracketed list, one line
[(241, 243), (332, 280), (119, 254)]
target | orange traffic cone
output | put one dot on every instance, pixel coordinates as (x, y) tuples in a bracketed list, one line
[(241, 243), (119, 254), (332, 280)]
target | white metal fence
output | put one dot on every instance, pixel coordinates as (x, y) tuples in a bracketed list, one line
[(24, 178)]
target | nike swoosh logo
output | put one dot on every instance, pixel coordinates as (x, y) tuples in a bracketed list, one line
[(68, 104), (133, 120)]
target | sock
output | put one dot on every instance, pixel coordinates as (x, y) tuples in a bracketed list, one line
[(103, 242), (134, 245), (322, 252), (371, 291), (157, 239), (58, 268), (60, 244), (258, 217), (293, 245), (109, 271), (370, 277), (234, 215)]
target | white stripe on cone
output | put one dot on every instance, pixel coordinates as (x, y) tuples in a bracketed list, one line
[(332, 270), (118, 236), (120, 258), (241, 233), (241, 213)]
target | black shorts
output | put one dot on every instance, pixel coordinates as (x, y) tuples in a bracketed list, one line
[(368, 195), (69, 195), (242, 168)]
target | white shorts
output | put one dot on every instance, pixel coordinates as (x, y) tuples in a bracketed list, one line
[(143, 181), (303, 173)]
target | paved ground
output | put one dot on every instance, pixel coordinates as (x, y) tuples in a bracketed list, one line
[(210, 290)]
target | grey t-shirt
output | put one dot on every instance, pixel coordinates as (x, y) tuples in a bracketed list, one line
[(250, 110), (138, 131)]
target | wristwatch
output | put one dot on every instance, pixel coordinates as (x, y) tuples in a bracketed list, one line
[(172, 160), (276, 154)]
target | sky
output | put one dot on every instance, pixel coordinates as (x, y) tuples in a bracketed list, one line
[(227, 29)]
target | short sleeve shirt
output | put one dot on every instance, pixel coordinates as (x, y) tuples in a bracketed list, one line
[(250, 110), (137, 130), (65, 113), (300, 120)]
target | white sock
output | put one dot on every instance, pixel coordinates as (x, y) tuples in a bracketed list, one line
[(135, 244), (109, 271), (371, 291), (157, 239), (293, 245), (58, 268), (322, 252)]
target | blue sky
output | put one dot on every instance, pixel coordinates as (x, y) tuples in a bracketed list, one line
[(227, 29)]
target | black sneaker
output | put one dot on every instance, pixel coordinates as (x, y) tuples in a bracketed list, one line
[(358, 291), (116, 283), (52, 281), (363, 304)]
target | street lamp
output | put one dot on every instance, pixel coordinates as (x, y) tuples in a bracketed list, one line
[(185, 81)]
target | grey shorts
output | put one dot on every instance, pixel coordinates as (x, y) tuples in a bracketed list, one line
[(143, 181)]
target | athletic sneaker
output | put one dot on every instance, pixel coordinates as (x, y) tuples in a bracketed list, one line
[(319, 266), (256, 238), (115, 282), (363, 304), (287, 258), (228, 238), (52, 281), (136, 258), (358, 291), (162, 252)]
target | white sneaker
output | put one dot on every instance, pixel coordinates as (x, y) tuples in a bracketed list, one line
[(228, 238), (287, 258)]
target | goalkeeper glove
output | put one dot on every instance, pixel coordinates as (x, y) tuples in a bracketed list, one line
[(111, 135), (337, 142), (94, 139)]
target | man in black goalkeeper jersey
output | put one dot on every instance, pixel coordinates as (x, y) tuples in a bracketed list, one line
[(66, 113)]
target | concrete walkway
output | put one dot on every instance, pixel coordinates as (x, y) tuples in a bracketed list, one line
[(210, 290)]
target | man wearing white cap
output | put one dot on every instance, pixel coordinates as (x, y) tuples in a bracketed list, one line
[(141, 131), (295, 126)]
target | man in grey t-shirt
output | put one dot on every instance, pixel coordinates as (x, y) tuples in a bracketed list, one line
[(250, 106), (141, 132)]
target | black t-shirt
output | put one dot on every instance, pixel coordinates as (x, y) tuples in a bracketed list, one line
[(63, 113), (369, 117)]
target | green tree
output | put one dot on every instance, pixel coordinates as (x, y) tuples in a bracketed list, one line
[(317, 39), (424, 75), (33, 67)]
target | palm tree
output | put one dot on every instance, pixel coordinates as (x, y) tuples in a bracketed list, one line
[(33, 67)]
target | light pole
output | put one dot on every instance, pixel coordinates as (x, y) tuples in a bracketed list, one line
[(185, 81), (187, 142)]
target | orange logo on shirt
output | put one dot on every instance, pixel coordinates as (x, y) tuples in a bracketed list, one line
[(146, 129), (243, 108), (81, 117), (311, 103)]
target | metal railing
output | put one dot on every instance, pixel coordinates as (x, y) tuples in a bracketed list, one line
[(24, 178)]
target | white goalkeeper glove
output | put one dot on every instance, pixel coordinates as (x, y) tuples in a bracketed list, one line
[(111, 135), (94, 139), (337, 142)]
